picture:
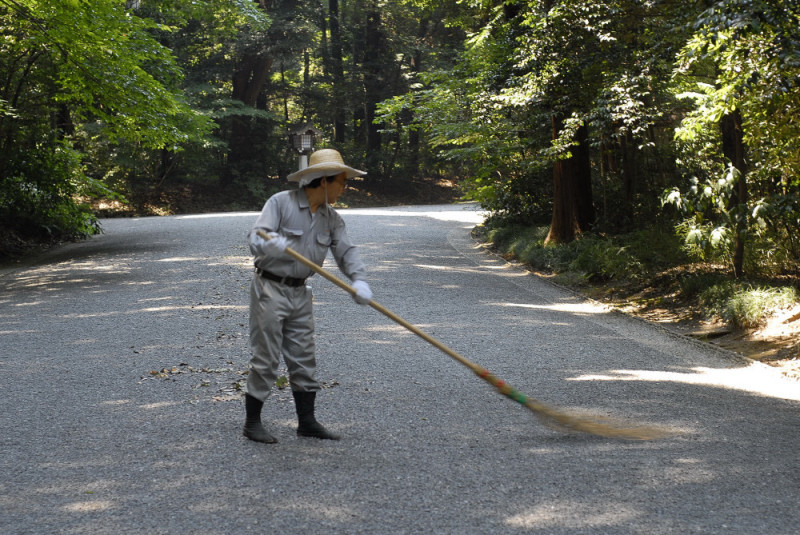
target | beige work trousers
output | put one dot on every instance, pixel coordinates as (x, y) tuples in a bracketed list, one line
[(281, 323)]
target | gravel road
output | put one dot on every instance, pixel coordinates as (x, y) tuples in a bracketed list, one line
[(121, 359)]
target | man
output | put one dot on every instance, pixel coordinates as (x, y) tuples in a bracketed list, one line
[(281, 317)]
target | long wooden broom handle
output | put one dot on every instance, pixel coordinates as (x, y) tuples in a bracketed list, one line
[(503, 387), (560, 419)]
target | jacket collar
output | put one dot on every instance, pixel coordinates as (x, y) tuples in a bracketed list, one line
[(302, 199)]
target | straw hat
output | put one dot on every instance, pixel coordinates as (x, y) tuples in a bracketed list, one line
[(324, 162)]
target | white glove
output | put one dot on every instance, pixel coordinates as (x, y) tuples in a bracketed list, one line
[(363, 294), (272, 247)]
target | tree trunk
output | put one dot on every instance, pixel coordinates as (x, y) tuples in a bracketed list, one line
[(285, 95), (358, 58), (408, 118), (582, 167), (324, 47), (373, 82), (64, 125), (733, 148), (248, 80), (564, 225), (628, 173), (337, 72)]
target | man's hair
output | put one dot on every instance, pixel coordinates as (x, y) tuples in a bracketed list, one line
[(317, 181)]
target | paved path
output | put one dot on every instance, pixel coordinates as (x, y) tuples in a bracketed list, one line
[(119, 413)]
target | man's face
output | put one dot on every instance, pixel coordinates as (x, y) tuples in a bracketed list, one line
[(337, 187)]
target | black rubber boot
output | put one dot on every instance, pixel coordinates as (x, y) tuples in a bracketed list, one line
[(308, 425), (253, 429)]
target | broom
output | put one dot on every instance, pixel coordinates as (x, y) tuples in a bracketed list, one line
[(556, 419)]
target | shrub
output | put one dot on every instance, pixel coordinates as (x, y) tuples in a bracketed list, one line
[(745, 306), (657, 246), (694, 284), (751, 307), (601, 259), (38, 195), (714, 299), (593, 257)]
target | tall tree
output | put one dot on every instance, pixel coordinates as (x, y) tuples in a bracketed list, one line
[(565, 56), (375, 64), (253, 63), (733, 148), (564, 226), (741, 70)]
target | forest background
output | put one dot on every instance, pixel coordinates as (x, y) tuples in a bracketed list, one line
[(647, 149)]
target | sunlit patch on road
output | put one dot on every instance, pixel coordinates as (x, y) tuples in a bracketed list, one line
[(755, 378)]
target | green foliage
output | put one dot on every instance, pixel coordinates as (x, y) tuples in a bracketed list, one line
[(652, 81), (601, 259), (693, 284), (475, 137), (751, 307), (777, 238), (80, 74), (524, 72), (489, 93), (592, 257), (714, 299), (654, 246), (36, 196), (282, 382), (743, 56), (634, 256), (708, 218), (745, 306), (108, 67)]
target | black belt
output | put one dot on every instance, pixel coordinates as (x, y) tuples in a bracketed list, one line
[(288, 281)]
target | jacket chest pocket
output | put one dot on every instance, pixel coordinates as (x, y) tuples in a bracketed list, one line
[(323, 241), (309, 244), (294, 237)]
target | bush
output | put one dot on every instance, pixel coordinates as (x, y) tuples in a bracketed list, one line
[(38, 196), (695, 284), (655, 247), (593, 257), (596, 258), (714, 299), (751, 307), (600, 259), (745, 306)]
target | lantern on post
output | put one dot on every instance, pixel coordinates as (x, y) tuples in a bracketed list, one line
[(301, 139)]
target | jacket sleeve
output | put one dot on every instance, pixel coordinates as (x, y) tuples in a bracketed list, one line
[(268, 221), (345, 252)]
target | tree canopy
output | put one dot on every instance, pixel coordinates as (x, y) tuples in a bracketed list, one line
[(77, 70), (592, 116)]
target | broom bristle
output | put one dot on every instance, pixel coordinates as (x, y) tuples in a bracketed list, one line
[(594, 425)]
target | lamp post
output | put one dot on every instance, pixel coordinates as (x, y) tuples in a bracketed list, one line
[(301, 139)]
